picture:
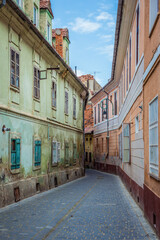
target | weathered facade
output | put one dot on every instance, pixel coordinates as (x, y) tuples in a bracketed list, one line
[(133, 130), (41, 105), (93, 87)]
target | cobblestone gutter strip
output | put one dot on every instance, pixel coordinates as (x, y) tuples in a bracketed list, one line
[(146, 226)]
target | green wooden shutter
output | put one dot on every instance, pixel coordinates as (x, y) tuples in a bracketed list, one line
[(54, 152), (13, 155), (58, 151), (37, 154), (74, 152), (17, 153)]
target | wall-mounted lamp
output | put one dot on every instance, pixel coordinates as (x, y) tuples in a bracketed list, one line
[(141, 107), (4, 129), (43, 73)]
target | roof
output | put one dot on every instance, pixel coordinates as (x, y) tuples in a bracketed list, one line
[(46, 4), (63, 31), (89, 129), (86, 77), (23, 16)]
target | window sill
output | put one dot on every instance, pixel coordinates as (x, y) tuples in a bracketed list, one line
[(36, 168), (15, 171), (36, 99), (15, 89), (154, 25), (154, 176), (54, 108)]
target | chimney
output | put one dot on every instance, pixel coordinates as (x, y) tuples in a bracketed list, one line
[(60, 40)]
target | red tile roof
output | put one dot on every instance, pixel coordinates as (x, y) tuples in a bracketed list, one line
[(46, 4)]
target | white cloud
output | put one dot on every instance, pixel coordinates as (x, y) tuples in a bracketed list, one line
[(107, 50), (107, 38), (111, 24), (104, 16), (82, 25)]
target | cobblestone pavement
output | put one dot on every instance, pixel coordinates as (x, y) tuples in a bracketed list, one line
[(94, 207)]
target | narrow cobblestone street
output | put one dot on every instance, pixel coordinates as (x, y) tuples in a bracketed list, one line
[(94, 207)]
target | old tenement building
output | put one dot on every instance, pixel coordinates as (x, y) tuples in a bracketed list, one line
[(41, 104)]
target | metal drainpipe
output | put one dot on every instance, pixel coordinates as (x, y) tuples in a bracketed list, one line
[(84, 104), (107, 113)]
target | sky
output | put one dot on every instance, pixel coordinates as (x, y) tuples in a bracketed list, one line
[(91, 25)]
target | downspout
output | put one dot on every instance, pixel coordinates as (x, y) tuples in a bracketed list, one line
[(2, 3), (107, 117), (84, 106)]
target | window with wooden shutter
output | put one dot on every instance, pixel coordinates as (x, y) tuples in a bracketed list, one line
[(36, 83), (58, 152), (66, 102), (14, 71), (67, 153), (74, 153), (37, 153), (54, 94), (126, 143), (74, 107), (115, 103), (153, 137), (15, 154), (54, 153)]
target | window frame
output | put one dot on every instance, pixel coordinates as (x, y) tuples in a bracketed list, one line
[(38, 144), (15, 63), (99, 113), (137, 32), (37, 97), (54, 90), (48, 31), (35, 18), (126, 139), (66, 102), (130, 58), (66, 153), (14, 152), (152, 126), (74, 107), (74, 153), (115, 103), (95, 115), (155, 18)]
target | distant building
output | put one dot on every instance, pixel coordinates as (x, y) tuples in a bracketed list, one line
[(93, 87), (41, 104)]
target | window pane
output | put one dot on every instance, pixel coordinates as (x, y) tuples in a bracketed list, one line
[(17, 81), (13, 67), (154, 155), (153, 111), (12, 55), (17, 58), (153, 136)]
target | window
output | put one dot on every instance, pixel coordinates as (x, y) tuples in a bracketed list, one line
[(130, 55), (54, 94), (153, 137), (124, 80), (74, 107), (87, 83), (19, 2), (35, 15), (36, 83), (136, 124), (126, 143), (120, 145), (115, 103), (66, 103), (66, 153), (102, 145), (74, 153), (95, 115), (14, 81), (104, 110), (98, 112), (86, 139), (67, 55), (90, 157), (153, 10), (48, 31), (56, 147), (86, 156), (137, 35), (127, 71), (15, 154), (37, 153)]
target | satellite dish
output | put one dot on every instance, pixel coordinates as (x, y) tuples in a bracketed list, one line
[(58, 32)]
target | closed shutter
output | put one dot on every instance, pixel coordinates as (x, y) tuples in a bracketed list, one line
[(54, 152), (17, 153), (37, 154), (74, 152), (58, 152)]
